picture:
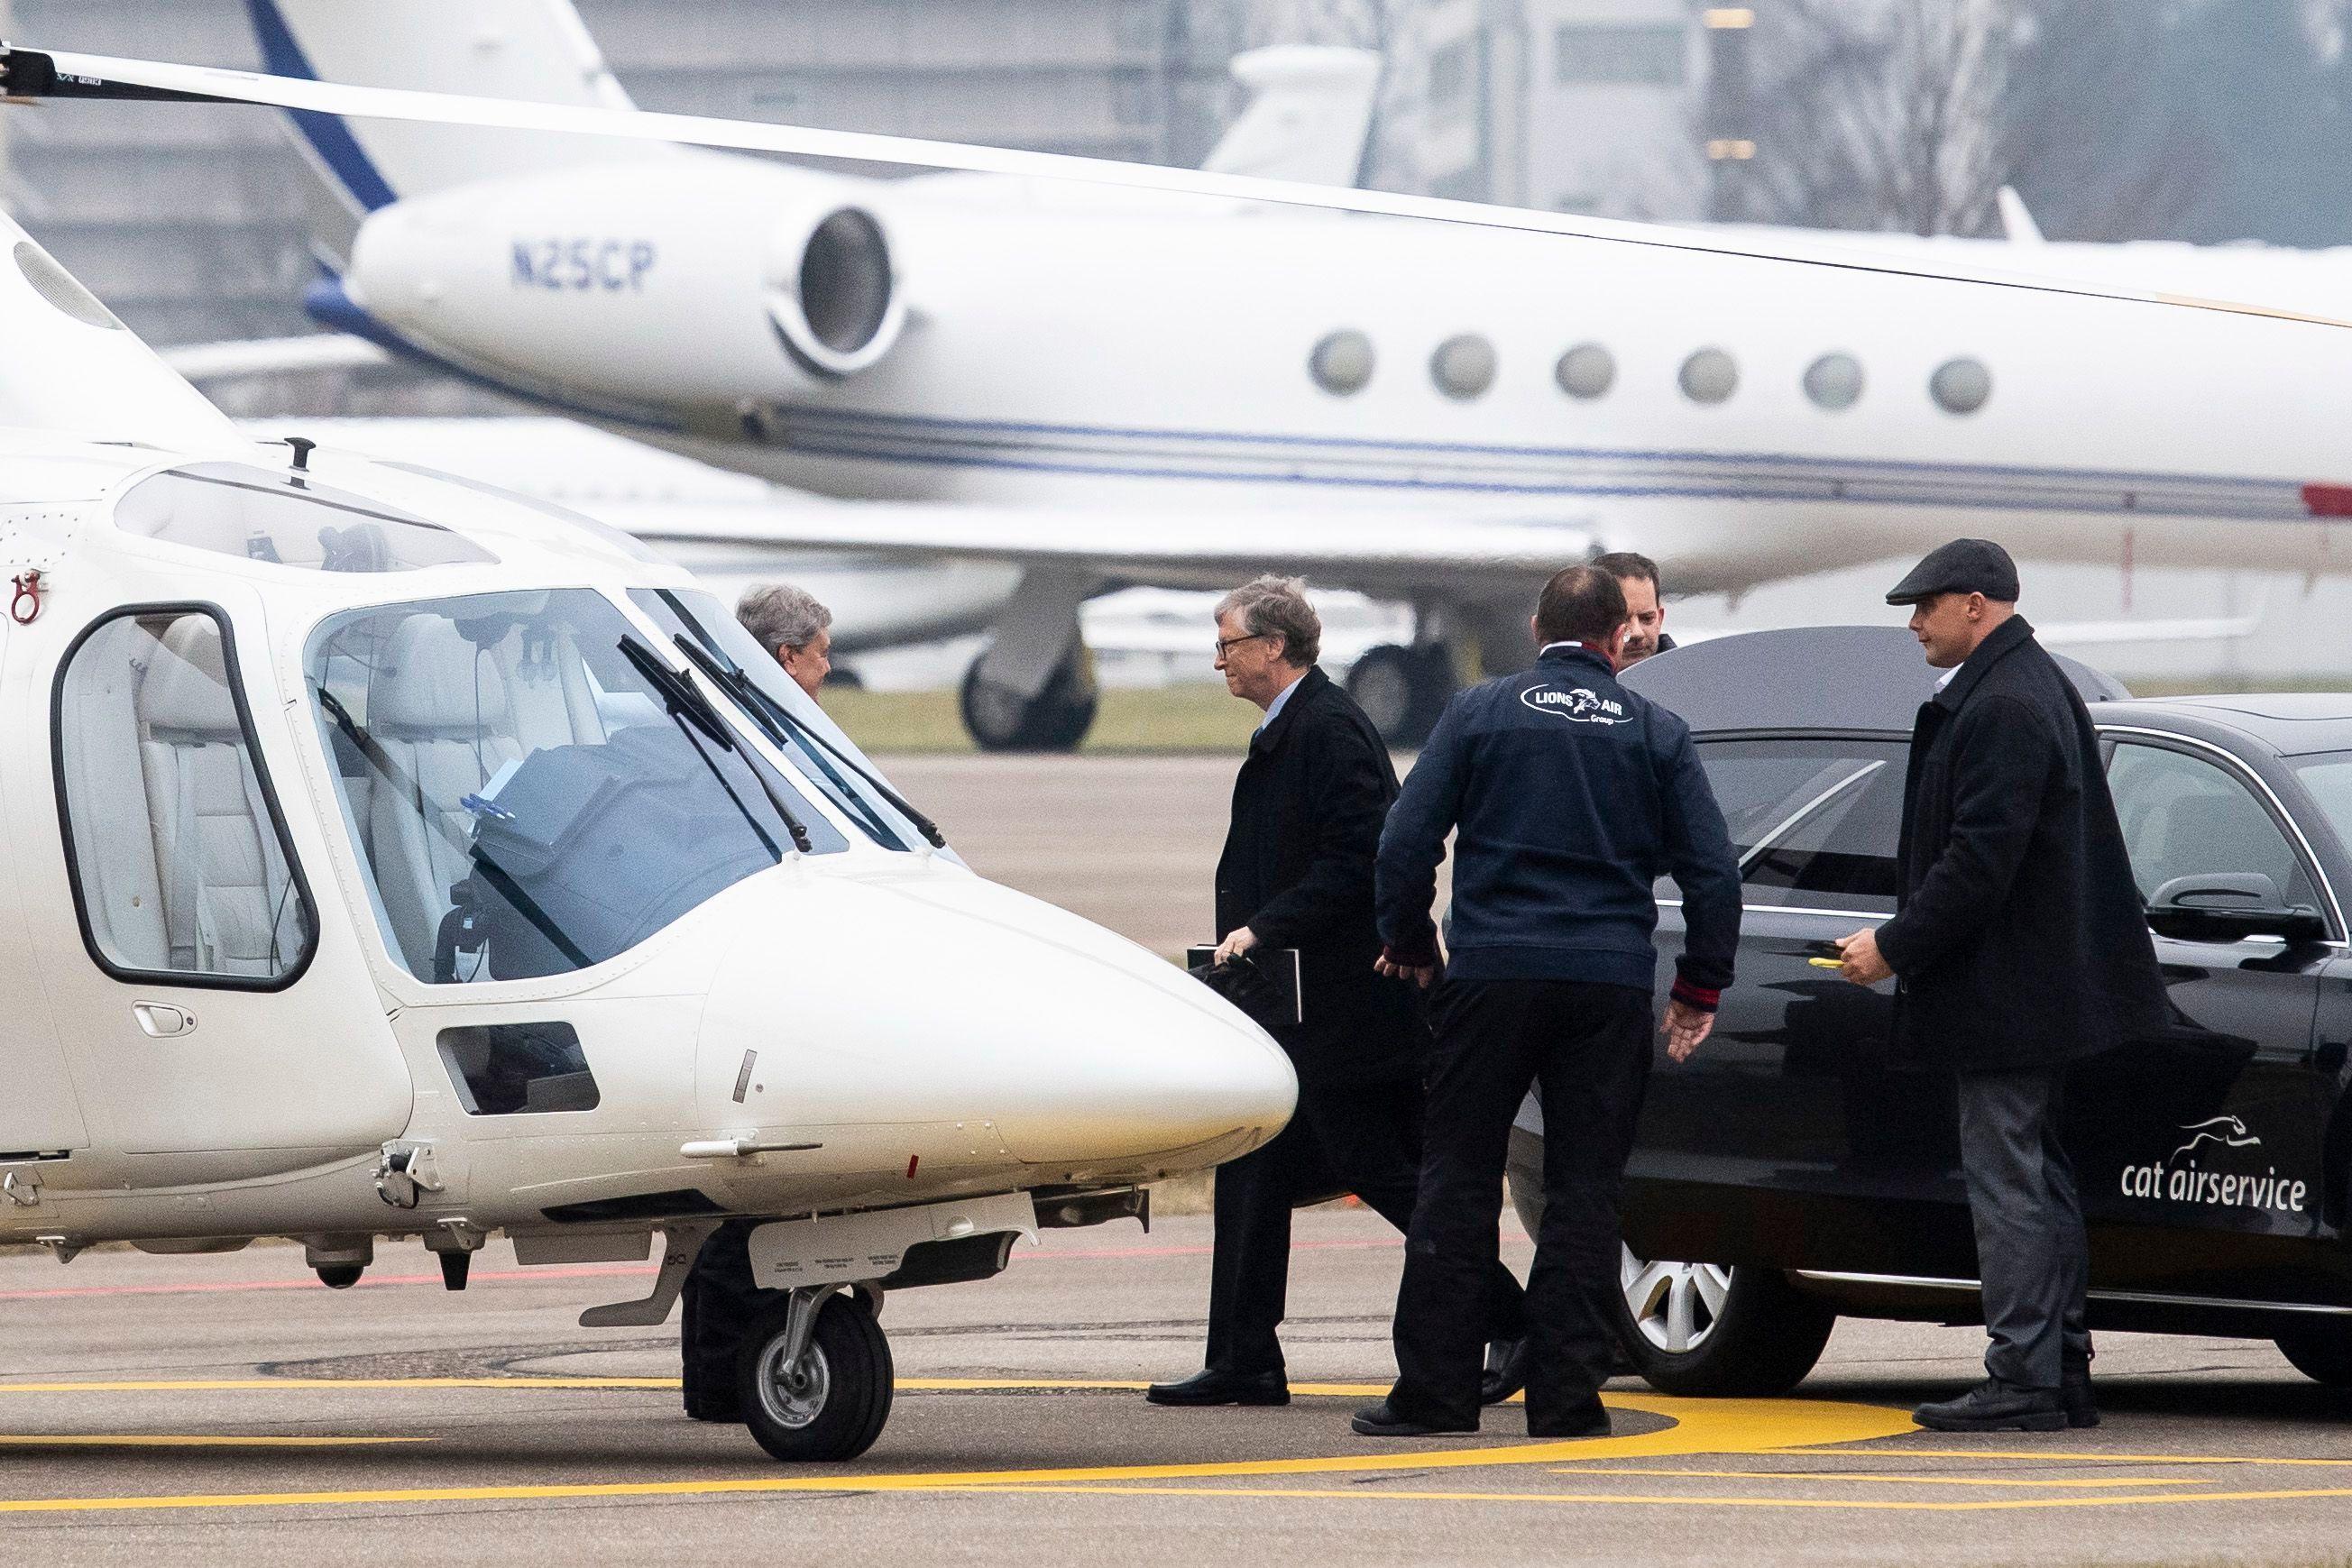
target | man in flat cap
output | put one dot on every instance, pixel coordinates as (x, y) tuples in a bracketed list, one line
[(2018, 946)]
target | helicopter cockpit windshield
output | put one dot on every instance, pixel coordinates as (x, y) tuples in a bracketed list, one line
[(287, 519), (531, 788)]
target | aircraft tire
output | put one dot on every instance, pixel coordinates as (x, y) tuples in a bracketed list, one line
[(1057, 719), (833, 1405), (1402, 690), (2322, 1355)]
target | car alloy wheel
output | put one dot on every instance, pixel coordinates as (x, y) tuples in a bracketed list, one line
[(1674, 1305)]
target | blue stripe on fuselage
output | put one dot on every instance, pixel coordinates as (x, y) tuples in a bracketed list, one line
[(328, 137)]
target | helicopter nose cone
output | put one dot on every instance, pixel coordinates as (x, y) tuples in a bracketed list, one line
[(934, 996)]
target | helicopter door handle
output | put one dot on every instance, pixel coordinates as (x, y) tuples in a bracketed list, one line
[(162, 1020)]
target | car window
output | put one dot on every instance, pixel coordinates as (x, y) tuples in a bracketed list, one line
[(2188, 816), (1815, 819)]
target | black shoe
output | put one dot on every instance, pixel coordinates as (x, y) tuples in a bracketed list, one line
[(1993, 1405), (1379, 1421), (1506, 1370), (2074, 1393), (1591, 1421), (708, 1408), (1213, 1387)]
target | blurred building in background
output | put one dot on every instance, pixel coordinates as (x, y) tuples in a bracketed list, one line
[(1581, 105)]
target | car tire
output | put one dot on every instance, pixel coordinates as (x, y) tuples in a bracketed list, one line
[(833, 1405), (1746, 1332), (1705, 1330), (2322, 1355)]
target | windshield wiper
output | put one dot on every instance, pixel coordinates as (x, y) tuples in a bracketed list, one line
[(733, 677), (688, 707)]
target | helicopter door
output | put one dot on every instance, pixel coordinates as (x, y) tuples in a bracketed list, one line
[(200, 1027), (38, 1113)]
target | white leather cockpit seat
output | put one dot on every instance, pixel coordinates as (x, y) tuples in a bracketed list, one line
[(439, 707), (229, 903)]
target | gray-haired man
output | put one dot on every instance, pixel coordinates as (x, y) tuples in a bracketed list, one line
[(1297, 873), (790, 624)]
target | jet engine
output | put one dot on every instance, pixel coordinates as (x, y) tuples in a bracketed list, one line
[(674, 280)]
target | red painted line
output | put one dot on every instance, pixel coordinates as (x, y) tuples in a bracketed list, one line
[(231, 1287)]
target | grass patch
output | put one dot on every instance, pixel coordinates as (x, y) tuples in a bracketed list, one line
[(1134, 721), (2198, 686)]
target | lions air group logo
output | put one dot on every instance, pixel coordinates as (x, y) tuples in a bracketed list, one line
[(1581, 705), (2180, 1178)]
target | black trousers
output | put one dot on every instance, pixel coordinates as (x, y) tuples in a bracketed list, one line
[(1587, 1050), (1360, 1138), (2031, 1250)]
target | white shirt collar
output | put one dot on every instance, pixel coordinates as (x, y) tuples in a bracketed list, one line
[(1945, 678), (1280, 697)]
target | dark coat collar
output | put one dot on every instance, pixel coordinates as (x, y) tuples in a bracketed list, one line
[(1266, 739), (2005, 640)]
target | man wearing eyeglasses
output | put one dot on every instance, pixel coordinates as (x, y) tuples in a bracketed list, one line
[(1297, 873)]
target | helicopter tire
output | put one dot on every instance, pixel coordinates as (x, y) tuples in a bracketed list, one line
[(833, 1403)]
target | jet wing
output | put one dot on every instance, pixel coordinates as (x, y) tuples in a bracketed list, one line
[(1379, 551), (243, 361)]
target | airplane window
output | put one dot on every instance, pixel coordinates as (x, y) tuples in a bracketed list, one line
[(1834, 382), (287, 519), (1960, 386), (1709, 375), (1342, 362), (182, 870), (1586, 370), (1815, 821), (1464, 366), (816, 746), (527, 795)]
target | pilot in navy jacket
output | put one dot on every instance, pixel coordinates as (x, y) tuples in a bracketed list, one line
[(1556, 865)]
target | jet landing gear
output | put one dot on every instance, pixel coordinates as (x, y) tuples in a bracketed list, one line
[(1056, 719), (1402, 690), (814, 1375)]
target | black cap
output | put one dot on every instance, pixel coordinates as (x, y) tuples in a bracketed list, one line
[(1963, 566)]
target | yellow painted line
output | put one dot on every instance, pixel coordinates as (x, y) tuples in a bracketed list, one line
[(2058, 1457), (1674, 1499), (252, 1385), (1886, 1478), (1701, 1425), (904, 1384), (196, 1440)]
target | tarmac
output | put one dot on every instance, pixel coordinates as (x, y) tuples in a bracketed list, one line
[(230, 1409)]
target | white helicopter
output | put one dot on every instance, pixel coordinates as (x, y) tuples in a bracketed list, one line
[(389, 856)]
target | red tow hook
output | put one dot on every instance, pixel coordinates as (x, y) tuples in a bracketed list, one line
[(27, 604)]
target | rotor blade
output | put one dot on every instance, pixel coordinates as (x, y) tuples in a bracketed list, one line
[(35, 74)]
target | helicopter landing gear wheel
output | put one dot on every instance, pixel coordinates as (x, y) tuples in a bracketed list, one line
[(814, 1376)]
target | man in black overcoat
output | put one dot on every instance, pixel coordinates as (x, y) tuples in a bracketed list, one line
[(1297, 873), (2020, 945)]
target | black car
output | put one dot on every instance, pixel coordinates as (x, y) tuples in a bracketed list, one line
[(1803, 1178)]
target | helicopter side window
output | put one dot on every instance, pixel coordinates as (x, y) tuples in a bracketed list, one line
[(181, 866), (524, 799)]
